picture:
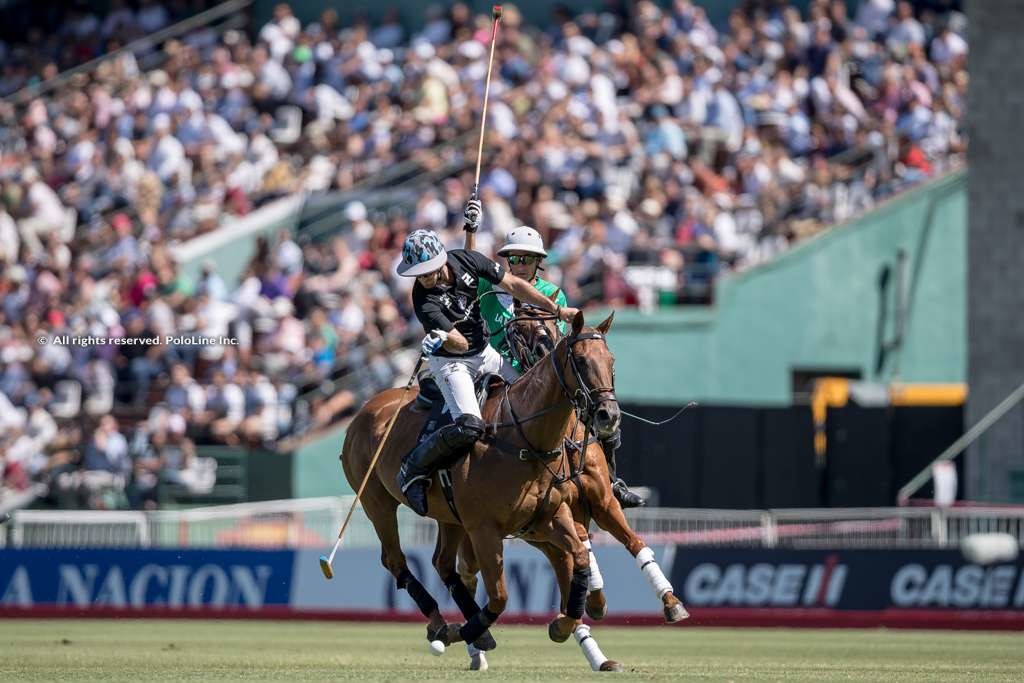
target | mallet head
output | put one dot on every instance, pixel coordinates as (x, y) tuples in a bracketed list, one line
[(326, 568), (496, 11)]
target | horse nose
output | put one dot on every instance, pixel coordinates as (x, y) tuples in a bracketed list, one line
[(607, 417)]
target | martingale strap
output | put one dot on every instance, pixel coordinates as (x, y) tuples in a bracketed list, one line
[(581, 400), (445, 477)]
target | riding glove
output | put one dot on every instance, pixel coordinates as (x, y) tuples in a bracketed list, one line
[(433, 341), (473, 215)]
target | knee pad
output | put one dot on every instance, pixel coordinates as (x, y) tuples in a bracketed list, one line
[(469, 428)]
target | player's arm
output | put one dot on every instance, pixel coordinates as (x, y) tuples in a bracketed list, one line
[(456, 342), (561, 301), (473, 215), (440, 329), (524, 291)]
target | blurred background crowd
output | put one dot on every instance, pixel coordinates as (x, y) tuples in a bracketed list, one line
[(652, 150)]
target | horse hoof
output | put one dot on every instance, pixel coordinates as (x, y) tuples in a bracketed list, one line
[(597, 606), (478, 662), (555, 632), (485, 642), (441, 633), (611, 665), (675, 613)]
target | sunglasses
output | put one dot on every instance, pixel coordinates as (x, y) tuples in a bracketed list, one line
[(517, 259)]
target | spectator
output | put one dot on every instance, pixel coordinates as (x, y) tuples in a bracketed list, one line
[(105, 464), (225, 409), (652, 150), (41, 210)]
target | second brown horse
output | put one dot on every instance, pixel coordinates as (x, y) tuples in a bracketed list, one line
[(503, 487)]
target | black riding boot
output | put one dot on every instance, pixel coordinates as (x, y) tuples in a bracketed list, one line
[(626, 498), (450, 440)]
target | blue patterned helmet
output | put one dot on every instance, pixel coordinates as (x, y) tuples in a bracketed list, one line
[(422, 253)]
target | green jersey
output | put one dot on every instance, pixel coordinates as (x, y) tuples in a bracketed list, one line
[(496, 310)]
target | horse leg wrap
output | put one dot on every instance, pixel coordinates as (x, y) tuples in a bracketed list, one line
[(467, 605), (423, 599), (477, 624), (590, 648), (595, 582), (652, 572), (577, 600)]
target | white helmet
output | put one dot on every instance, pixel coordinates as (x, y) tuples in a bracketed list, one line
[(523, 238)]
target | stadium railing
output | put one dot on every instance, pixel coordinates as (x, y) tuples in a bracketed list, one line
[(314, 522), (230, 13)]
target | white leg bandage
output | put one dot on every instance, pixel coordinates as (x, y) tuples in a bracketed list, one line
[(595, 582), (590, 648), (652, 572), (477, 659)]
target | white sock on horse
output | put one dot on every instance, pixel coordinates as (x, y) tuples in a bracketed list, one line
[(595, 581), (652, 572), (477, 658), (591, 650)]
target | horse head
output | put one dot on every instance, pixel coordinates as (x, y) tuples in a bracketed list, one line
[(531, 334), (586, 370)]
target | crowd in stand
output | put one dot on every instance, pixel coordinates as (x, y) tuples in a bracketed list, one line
[(650, 149), (38, 41)]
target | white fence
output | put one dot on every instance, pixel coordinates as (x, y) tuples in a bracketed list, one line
[(314, 522)]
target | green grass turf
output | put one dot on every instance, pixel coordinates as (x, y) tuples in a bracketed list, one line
[(130, 650)]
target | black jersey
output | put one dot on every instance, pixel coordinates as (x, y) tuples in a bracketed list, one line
[(440, 307)]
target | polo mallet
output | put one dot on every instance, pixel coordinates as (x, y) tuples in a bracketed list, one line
[(496, 14), (327, 563)]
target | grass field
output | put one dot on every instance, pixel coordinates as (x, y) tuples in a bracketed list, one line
[(129, 650)]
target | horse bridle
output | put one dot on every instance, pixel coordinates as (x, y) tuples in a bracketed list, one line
[(582, 400), (585, 398)]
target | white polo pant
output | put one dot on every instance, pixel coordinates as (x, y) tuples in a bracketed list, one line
[(455, 378)]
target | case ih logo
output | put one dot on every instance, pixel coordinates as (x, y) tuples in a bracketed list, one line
[(767, 584), (945, 585)]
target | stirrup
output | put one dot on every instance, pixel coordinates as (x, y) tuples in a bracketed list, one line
[(404, 485), (419, 505)]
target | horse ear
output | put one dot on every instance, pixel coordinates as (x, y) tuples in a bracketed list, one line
[(607, 324), (577, 322)]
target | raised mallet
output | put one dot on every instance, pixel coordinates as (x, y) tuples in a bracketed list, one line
[(327, 563), (496, 15)]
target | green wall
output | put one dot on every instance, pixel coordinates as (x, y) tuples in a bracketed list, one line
[(316, 470), (232, 245), (819, 305)]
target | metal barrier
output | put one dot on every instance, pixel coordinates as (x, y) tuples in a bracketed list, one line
[(314, 523)]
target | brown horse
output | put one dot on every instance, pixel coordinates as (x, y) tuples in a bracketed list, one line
[(504, 486), (531, 336)]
